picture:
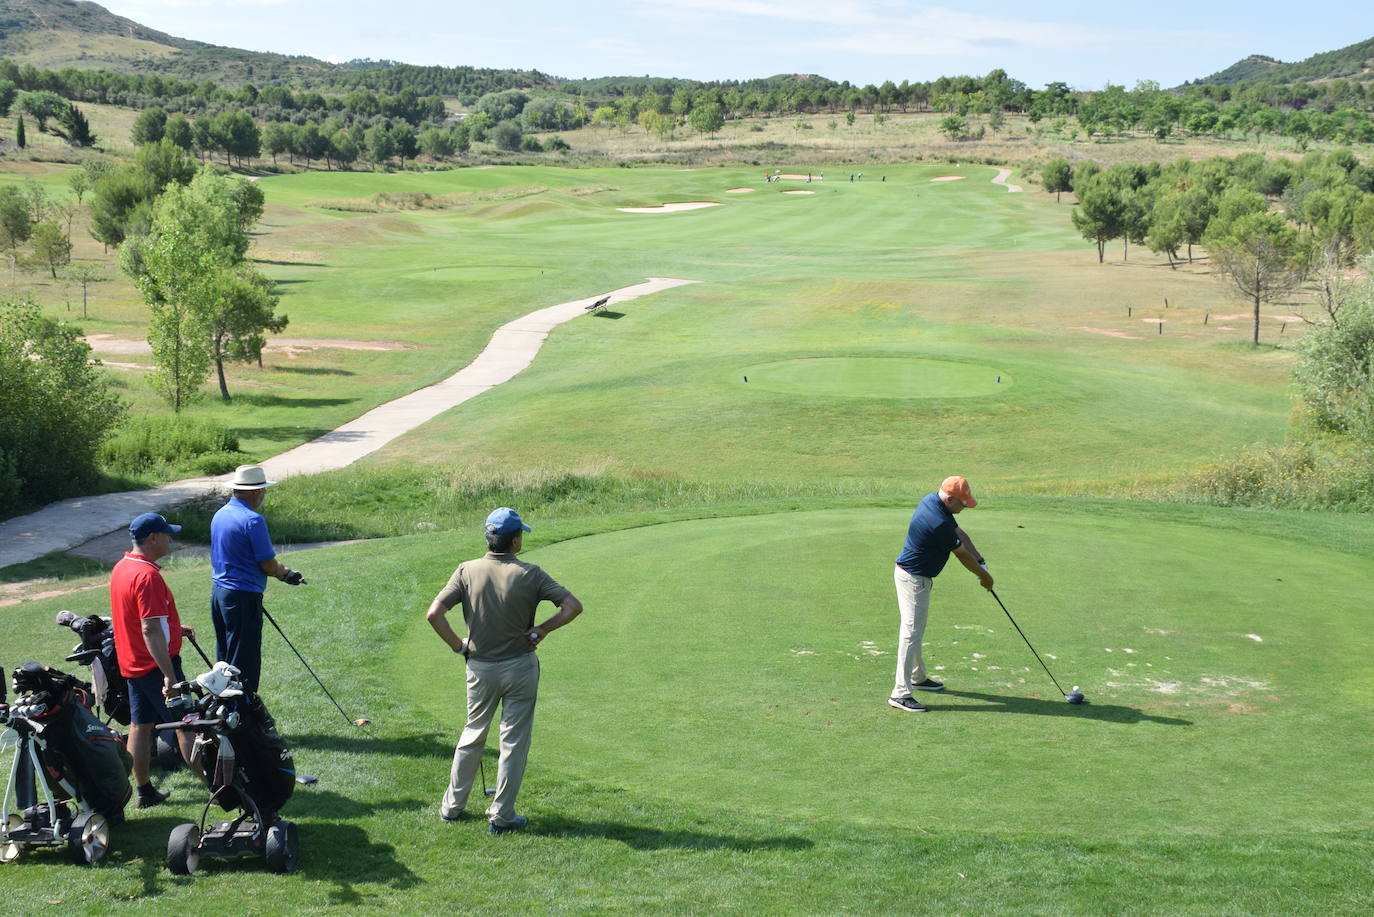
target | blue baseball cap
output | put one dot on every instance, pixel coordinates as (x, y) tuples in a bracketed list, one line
[(150, 524), (505, 521)]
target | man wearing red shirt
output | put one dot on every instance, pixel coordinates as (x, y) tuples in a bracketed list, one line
[(147, 633)]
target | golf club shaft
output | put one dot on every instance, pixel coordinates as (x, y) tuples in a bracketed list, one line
[(1028, 643), (198, 649), (267, 614)]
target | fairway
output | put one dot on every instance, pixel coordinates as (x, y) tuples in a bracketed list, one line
[(875, 378)]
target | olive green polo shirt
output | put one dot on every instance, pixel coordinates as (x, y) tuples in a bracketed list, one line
[(499, 593)]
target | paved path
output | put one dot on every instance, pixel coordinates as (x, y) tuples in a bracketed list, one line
[(68, 523), (1001, 179)]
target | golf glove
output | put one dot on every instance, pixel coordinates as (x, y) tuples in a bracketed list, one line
[(293, 577)]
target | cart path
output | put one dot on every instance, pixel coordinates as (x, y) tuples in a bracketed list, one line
[(1001, 179), (68, 523)]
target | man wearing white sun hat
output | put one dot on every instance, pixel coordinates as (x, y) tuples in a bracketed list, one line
[(241, 558)]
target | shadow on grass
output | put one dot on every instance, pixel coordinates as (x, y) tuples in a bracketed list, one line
[(640, 837), (278, 401), (327, 804), (57, 565), (607, 313), (287, 263), (315, 371), (426, 745), (1003, 703), (344, 855)]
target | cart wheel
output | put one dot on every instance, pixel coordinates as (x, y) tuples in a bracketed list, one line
[(183, 855), (9, 851), (167, 755), (283, 847), (88, 838)]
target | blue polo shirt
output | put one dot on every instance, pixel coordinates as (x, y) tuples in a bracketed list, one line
[(929, 539), (238, 544)]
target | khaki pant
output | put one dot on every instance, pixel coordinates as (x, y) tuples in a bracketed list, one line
[(913, 602), (514, 684)]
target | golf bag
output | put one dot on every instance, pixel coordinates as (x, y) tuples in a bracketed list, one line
[(82, 756), (97, 650)]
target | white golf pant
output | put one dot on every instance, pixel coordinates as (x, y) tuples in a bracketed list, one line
[(514, 684), (913, 602)]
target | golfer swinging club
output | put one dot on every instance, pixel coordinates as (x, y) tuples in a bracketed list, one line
[(930, 538), (498, 594)]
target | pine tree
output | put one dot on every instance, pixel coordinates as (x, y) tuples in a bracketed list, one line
[(19, 139)]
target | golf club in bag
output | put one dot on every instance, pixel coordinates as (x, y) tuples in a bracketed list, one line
[(69, 773), (110, 687), (248, 766), (1073, 697)]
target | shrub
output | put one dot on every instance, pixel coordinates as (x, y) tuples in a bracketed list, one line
[(143, 443)]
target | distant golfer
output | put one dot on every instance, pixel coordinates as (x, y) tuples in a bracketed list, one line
[(147, 635), (498, 594), (241, 559), (930, 538)]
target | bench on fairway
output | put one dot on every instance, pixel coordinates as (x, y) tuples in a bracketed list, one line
[(597, 306)]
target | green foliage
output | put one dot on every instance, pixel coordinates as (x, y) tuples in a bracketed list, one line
[(149, 126), (76, 127), (140, 444), (15, 225), (506, 136), (178, 130), (1335, 371), (57, 407), (21, 138), (1057, 176), (501, 106), (8, 92), (706, 119), (42, 105), (51, 246), (122, 199), (379, 143)]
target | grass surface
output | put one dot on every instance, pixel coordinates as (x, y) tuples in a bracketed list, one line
[(713, 733)]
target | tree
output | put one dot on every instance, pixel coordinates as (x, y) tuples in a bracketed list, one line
[(86, 273), (379, 144), (51, 246), (178, 130), (76, 127), (1057, 176), (437, 144), (149, 126), (57, 406), (15, 225), (407, 145), (343, 149), (8, 91), (1335, 370), (242, 312), (1099, 216), (506, 136), (121, 200), (21, 139), (706, 119), (183, 267), (953, 126), (1262, 259), (42, 105)]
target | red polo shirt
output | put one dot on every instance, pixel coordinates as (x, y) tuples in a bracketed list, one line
[(138, 591)]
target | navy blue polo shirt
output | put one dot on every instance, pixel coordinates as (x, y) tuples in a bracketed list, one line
[(239, 543), (929, 538)]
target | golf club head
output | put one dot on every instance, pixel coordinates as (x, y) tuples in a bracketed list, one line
[(362, 721), (1075, 698), (490, 791), (307, 779)]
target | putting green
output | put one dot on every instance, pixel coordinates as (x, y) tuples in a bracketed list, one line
[(748, 660), (876, 377)]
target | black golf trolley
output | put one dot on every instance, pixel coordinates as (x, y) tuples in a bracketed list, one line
[(69, 773), (248, 767)]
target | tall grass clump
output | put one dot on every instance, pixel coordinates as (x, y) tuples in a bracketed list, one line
[(191, 444), (1330, 476)]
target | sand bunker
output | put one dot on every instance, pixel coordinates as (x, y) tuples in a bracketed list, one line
[(1108, 333), (739, 190), (949, 178), (670, 208), (798, 191), (108, 343)]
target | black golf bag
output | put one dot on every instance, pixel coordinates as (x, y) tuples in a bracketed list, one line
[(79, 751), (97, 650), (247, 765)]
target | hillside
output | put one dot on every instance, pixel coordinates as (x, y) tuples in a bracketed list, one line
[(1352, 62)]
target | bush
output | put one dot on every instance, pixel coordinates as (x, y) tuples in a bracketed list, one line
[(143, 443), (57, 407), (1330, 475)]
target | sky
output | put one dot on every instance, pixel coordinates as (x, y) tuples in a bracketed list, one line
[(1085, 43)]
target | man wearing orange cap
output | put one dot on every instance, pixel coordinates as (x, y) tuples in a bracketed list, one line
[(930, 538)]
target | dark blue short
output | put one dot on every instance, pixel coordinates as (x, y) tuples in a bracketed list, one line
[(146, 705)]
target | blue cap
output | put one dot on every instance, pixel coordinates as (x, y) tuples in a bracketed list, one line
[(150, 524), (505, 521)]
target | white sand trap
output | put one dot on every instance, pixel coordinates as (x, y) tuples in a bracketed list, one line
[(1232, 318), (671, 208), (1109, 333), (1154, 321), (739, 190), (798, 191), (799, 177), (949, 178)]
